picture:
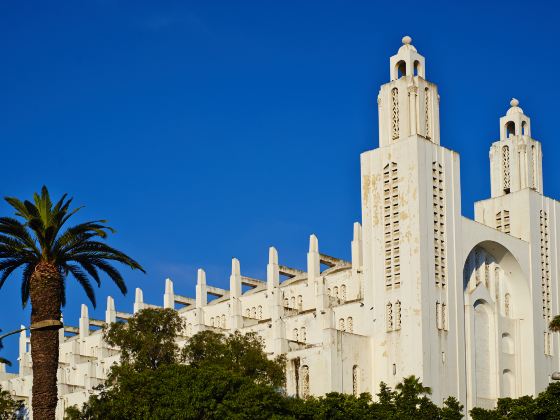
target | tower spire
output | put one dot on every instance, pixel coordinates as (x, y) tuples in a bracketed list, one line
[(515, 159), (408, 104)]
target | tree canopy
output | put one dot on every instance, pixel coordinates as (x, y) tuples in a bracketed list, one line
[(218, 376)]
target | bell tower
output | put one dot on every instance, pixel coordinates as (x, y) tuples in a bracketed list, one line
[(411, 215), (408, 104), (516, 159)]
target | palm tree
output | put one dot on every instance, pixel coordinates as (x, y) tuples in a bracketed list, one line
[(47, 255), (554, 325)]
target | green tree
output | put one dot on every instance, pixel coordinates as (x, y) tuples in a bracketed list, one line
[(48, 255), (554, 324), (10, 409), (238, 353), (148, 340), (546, 406)]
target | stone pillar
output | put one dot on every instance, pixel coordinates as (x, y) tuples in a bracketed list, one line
[(412, 94), (138, 300), (22, 350), (169, 296), (84, 322), (279, 342), (234, 295), (201, 299), (110, 312)]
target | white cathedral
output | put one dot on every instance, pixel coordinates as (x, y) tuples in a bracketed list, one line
[(462, 304)]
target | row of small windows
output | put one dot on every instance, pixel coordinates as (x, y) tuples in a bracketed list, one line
[(218, 322), (338, 293), (347, 325), (294, 303), (511, 129), (299, 335), (254, 312), (391, 227), (438, 197), (502, 221), (545, 267)]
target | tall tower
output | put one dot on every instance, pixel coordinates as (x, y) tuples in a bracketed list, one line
[(410, 215), (519, 208), (516, 159)]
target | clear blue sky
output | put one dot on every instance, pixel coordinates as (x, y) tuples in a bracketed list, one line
[(209, 130)]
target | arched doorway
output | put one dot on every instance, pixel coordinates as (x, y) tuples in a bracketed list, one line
[(497, 323)]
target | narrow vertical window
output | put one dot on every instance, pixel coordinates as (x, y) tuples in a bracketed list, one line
[(350, 325), (305, 381), (398, 315), (439, 317), (303, 334), (546, 290), (355, 381), (389, 317), (341, 324), (295, 334), (395, 113), (505, 169), (438, 204), (300, 302), (259, 312), (427, 102), (507, 305), (343, 293)]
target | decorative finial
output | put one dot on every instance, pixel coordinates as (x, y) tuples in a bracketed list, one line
[(406, 40), (514, 102)]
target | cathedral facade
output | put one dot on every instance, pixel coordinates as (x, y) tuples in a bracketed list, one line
[(462, 304)]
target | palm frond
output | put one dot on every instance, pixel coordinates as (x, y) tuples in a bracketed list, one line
[(84, 282)]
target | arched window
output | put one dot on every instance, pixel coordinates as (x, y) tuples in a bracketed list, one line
[(355, 381), (335, 292), (248, 313), (223, 321), (303, 334), (350, 325), (253, 312), (401, 69), (444, 316), (212, 321), (507, 344), (329, 291), (295, 334), (508, 383), (510, 129), (343, 293), (304, 375), (293, 302), (524, 130), (417, 68), (259, 312), (300, 302), (341, 324), (286, 302)]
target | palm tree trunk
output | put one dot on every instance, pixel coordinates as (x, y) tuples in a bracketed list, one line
[(45, 292)]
